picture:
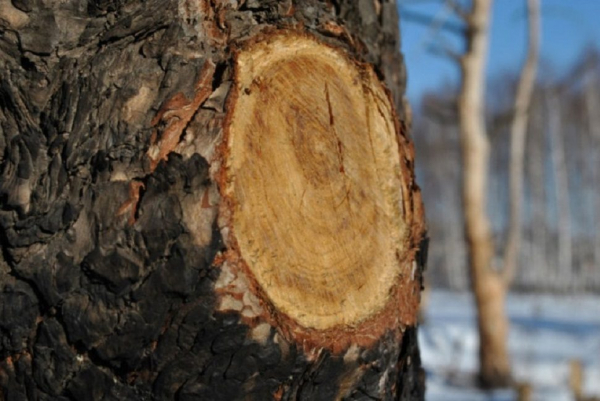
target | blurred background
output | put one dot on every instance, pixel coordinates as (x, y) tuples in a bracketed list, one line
[(552, 304)]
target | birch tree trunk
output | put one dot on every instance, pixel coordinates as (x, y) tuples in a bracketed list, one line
[(592, 103), (518, 139), (538, 199), (206, 200), (561, 188), (488, 287)]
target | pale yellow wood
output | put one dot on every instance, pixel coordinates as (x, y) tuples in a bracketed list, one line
[(314, 182)]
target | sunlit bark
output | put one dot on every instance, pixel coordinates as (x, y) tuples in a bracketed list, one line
[(488, 287), (518, 140)]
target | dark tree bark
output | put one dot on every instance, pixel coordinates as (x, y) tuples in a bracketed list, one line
[(111, 118)]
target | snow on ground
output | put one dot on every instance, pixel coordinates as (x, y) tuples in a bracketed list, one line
[(546, 333)]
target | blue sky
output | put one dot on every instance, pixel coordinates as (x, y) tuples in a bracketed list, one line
[(568, 27)]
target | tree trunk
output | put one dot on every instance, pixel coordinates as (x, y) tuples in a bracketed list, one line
[(206, 200), (518, 139), (561, 189), (488, 287), (592, 104), (537, 178)]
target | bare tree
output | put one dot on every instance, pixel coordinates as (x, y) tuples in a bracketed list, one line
[(489, 286), (575, 112), (592, 103), (561, 186), (538, 229), (518, 140)]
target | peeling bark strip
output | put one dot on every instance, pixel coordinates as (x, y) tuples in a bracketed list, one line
[(317, 208), (176, 114), (139, 160)]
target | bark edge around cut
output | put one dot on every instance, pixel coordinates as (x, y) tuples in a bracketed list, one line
[(309, 126)]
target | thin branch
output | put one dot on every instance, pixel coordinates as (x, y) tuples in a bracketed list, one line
[(446, 52), (440, 110), (458, 9), (427, 20)]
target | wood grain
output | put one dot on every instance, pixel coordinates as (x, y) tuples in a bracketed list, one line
[(314, 178)]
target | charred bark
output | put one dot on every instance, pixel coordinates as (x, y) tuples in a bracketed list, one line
[(111, 118)]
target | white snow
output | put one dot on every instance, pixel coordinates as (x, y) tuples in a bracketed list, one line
[(546, 333)]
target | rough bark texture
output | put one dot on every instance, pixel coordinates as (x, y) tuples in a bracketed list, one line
[(110, 117)]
